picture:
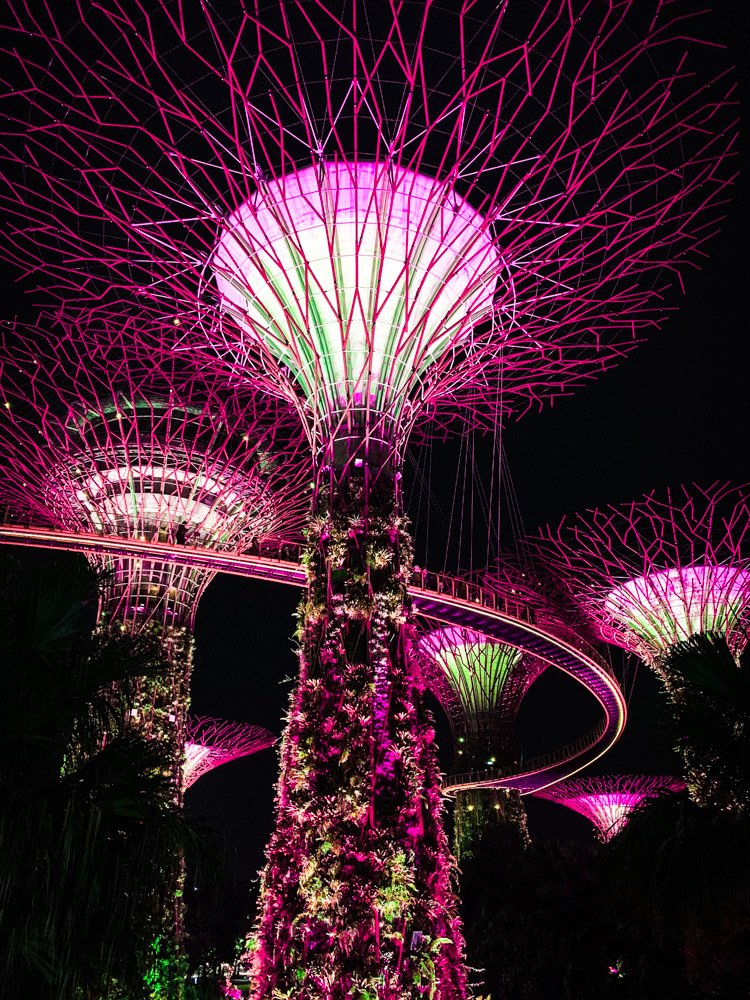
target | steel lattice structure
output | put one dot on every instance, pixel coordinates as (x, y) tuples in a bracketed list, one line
[(110, 445), (516, 580), (321, 202), (386, 237), (209, 743), (651, 573), (607, 801)]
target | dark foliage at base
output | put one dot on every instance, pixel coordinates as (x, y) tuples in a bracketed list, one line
[(662, 911), (89, 830)]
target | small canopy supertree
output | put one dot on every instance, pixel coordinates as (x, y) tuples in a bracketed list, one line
[(94, 443), (653, 573), (668, 579), (480, 684), (608, 800), (209, 743), (375, 212)]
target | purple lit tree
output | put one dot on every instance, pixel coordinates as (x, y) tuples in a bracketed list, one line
[(324, 203), (608, 800), (480, 684), (104, 446), (209, 743), (650, 574), (669, 580)]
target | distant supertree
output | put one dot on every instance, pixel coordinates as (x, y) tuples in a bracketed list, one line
[(97, 443), (92, 443), (209, 743), (480, 684), (653, 573), (335, 209), (608, 800)]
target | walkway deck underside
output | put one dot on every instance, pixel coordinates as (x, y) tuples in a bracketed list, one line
[(435, 596)]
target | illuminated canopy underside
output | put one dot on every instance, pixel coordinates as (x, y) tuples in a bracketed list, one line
[(665, 608), (213, 742), (149, 470), (608, 811), (476, 667), (607, 801), (357, 276)]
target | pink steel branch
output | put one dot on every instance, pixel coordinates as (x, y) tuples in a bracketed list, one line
[(108, 446), (141, 171), (608, 801), (651, 573), (209, 743)]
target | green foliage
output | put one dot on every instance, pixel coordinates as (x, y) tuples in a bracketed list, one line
[(710, 720), (89, 832)]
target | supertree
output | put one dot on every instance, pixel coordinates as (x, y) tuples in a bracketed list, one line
[(652, 573), (668, 579), (100, 445), (480, 684), (209, 743), (332, 208), (608, 800)]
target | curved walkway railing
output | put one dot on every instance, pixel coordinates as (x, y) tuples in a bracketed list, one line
[(434, 595)]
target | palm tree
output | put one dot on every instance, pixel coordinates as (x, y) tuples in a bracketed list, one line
[(89, 832), (710, 720)]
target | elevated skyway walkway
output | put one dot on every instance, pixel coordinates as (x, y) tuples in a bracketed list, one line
[(436, 596)]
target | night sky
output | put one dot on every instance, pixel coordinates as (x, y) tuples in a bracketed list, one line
[(673, 412)]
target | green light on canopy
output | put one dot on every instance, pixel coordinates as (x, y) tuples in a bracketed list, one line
[(667, 607), (477, 667), (357, 277)]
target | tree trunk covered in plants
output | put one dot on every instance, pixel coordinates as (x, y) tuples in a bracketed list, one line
[(479, 809), (357, 896), (159, 710)]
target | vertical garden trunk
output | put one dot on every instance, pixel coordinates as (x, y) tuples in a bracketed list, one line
[(479, 810), (159, 709), (357, 899)]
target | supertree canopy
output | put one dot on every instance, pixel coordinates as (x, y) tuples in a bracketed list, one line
[(608, 800), (113, 447), (652, 573), (209, 743), (396, 209), (98, 444), (480, 684), (379, 213)]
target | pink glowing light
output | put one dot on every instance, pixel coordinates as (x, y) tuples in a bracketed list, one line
[(608, 801), (372, 245), (650, 574), (209, 743), (334, 240), (666, 608), (99, 444)]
